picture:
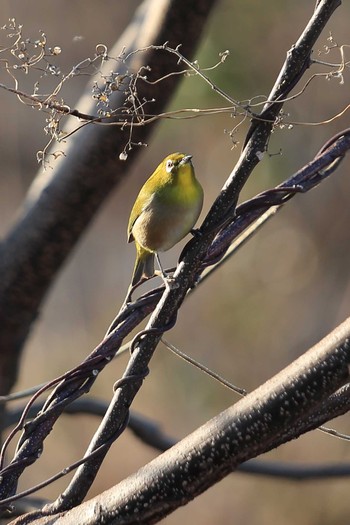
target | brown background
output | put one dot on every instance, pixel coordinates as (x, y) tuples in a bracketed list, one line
[(280, 295)]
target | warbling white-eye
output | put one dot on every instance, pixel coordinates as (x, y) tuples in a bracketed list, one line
[(165, 211)]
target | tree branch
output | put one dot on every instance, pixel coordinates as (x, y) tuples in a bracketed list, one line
[(150, 433), (271, 415)]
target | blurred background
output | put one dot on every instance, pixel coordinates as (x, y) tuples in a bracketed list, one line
[(283, 292)]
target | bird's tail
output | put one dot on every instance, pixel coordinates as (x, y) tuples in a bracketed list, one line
[(144, 265)]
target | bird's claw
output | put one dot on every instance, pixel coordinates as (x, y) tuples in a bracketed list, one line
[(169, 280), (170, 283)]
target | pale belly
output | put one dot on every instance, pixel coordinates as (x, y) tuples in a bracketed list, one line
[(160, 230)]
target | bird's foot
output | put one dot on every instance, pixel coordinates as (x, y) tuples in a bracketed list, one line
[(169, 280), (170, 283)]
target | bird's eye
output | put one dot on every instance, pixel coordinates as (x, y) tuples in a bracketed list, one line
[(169, 166)]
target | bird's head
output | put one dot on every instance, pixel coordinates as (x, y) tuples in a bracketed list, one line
[(176, 161)]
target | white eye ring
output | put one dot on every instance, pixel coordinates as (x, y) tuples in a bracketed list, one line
[(169, 166)]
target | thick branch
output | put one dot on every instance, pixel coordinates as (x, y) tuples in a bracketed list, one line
[(252, 426), (150, 433)]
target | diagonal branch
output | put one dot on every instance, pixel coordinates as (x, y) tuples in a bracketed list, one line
[(279, 410)]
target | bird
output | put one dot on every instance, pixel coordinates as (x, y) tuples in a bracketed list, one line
[(165, 211)]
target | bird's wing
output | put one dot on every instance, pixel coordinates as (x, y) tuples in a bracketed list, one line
[(142, 202), (133, 217)]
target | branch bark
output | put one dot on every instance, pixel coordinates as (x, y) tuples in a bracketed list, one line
[(273, 414)]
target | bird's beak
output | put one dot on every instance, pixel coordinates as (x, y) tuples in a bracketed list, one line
[(186, 159)]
